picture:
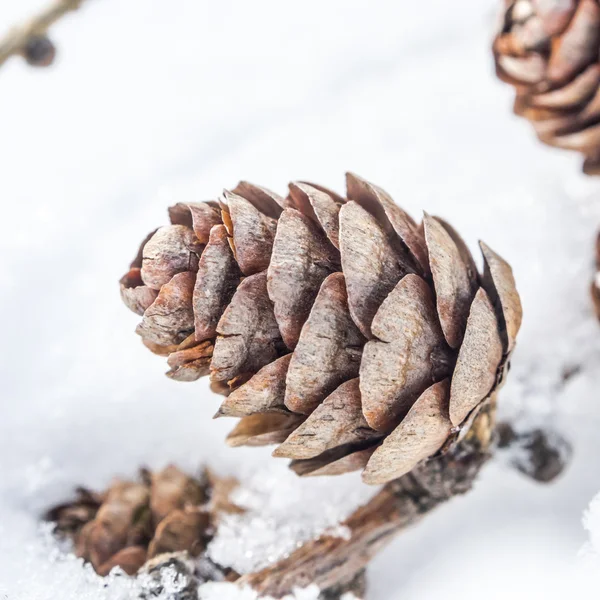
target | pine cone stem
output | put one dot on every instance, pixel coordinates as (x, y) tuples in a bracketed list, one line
[(334, 561), (30, 39)]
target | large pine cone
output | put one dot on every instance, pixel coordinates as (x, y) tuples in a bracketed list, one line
[(134, 521), (549, 50), (340, 328)]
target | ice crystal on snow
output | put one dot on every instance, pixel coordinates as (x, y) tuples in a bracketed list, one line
[(230, 591), (591, 522), (282, 512)]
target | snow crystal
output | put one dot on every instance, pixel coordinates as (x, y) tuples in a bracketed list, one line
[(230, 591), (591, 522), (53, 573), (282, 512), (166, 584), (339, 531), (47, 573)]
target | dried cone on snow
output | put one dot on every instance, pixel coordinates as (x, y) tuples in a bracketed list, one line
[(133, 522), (550, 51), (337, 327)]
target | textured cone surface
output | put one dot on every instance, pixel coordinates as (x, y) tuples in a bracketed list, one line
[(134, 521), (549, 51), (337, 327)]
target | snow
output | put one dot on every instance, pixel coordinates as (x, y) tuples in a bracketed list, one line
[(591, 522), (230, 591), (281, 515), (154, 102), (53, 573)]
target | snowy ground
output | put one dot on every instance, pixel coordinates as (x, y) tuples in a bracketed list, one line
[(152, 102)]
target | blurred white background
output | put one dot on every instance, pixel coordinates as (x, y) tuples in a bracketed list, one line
[(151, 102)]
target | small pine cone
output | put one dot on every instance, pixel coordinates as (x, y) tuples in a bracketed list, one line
[(549, 51), (135, 521), (337, 327)]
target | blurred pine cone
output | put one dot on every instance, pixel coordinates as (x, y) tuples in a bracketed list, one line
[(549, 50), (135, 521), (340, 328)]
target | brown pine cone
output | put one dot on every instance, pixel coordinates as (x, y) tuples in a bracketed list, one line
[(549, 50), (339, 327), (135, 521)]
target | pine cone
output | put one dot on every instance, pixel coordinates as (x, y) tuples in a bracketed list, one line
[(135, 521), (339, 328), (549, 50)]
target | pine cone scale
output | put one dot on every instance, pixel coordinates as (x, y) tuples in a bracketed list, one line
[(322, 205), (264, 392), (130, 559), (216, 281), (337, 421), (253, 234), (200, 217), (577, 47), (328, 352), (172, 490), (454, 281), (395, 368), (263, 429), (110, 530), (249, 336), (171, 250), (302, 258), (579, 91), (369, 262), (136, 296), (499, 283), (336, 461), (190, 363), (419, 435), (170, 318), (264, 200), (478, 360), (180, 531), (412, 247)]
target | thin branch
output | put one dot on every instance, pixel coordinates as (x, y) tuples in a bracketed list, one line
[(333, 561), (30, 39)]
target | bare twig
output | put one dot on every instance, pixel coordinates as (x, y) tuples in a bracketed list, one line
[(30, 39), (332, 561)]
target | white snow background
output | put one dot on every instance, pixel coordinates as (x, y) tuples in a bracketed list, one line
[(152, 102)]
